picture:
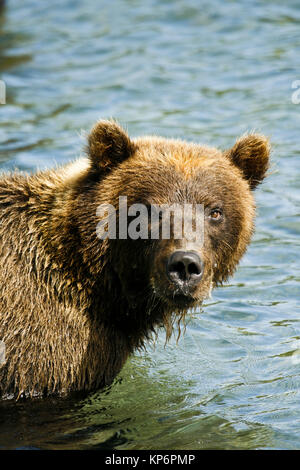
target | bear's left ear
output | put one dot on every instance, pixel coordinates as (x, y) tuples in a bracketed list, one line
[(108, 145), (251, 155)]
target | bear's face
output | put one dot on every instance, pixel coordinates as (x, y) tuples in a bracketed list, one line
[(179, 267)]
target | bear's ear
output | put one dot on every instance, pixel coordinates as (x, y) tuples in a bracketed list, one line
[(251, 155), (108, 145)]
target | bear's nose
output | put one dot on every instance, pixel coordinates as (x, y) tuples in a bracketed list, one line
[(185, 266)]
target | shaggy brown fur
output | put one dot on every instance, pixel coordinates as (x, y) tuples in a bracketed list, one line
[(72, 308)]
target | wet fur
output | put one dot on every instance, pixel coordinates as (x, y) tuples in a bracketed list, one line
[(72, 308)]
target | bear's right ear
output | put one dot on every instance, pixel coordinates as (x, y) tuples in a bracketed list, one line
[(251, 155), (108, 145)]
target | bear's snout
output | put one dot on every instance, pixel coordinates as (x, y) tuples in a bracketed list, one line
[(185, 267)]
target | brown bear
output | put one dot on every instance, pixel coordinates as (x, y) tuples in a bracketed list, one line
[(73, 305)]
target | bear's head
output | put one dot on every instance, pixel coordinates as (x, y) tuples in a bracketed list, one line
[(147, 180)]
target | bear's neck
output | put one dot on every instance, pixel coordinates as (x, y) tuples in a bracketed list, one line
[(81, 271)]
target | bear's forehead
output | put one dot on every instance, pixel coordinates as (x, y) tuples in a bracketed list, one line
[(169, 170), (186, 158)]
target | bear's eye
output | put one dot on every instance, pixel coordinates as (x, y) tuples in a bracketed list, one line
[(216, 214)]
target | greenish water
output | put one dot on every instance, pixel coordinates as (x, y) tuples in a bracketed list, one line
[(204, 71)]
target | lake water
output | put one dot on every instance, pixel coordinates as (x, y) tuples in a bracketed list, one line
[(206, 71)]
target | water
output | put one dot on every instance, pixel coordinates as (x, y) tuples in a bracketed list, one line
[(204, 71)]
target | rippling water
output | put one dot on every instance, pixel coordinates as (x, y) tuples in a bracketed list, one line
[(205, 71)]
